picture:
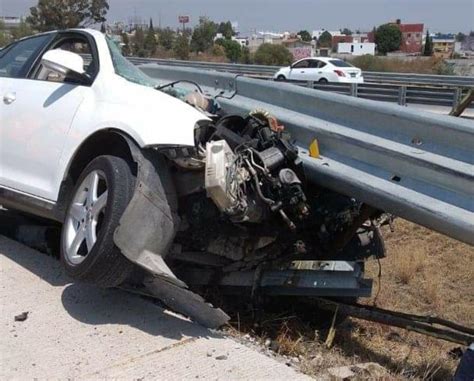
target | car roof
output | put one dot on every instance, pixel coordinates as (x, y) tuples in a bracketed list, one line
[(324, 59), (93, 32)]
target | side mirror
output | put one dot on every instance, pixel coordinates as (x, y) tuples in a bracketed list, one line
[(66, 63)]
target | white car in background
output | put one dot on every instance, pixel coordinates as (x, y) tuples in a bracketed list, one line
[(321, 69)]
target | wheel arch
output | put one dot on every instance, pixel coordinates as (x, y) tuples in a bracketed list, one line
[(108, 141)]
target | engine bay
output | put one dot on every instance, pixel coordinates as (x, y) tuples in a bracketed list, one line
[(244, 202)]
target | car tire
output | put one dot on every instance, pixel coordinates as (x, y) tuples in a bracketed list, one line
[(323, 81), (281, 78), (107, 183)]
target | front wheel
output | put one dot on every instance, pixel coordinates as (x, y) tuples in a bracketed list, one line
[(99, 199), (281, 78)]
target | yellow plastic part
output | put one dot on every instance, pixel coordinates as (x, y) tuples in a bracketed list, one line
[(314, 149)]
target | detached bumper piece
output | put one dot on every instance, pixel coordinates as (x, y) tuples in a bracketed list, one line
[(339, 279)]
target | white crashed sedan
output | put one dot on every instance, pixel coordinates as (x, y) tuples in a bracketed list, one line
[(320, 69), (155, 179)]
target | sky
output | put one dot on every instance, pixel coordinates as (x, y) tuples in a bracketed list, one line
[(288, 15)]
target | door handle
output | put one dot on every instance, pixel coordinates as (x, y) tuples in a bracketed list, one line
[(302, 71), (9, 98)]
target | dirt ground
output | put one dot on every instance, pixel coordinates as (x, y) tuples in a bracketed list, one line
[(424, 273)]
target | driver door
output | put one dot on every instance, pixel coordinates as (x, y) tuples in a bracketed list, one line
[(299, 71), (35, 116)]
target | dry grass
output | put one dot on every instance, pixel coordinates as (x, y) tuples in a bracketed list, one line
[(420, 65), (424, 273)]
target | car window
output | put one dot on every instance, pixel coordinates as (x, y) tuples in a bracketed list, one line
[(126, 69), (77, 44), (301, 65), (321, 64), (340, 63), (16, 60)]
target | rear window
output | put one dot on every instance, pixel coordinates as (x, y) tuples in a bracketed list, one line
[(340, 63)]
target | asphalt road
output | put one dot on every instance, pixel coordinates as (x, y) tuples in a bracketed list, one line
[(77, 331)]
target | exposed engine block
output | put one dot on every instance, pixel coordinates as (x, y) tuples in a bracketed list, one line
[(251, 172)]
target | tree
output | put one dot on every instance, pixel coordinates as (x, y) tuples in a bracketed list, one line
[(63, 14), (203, 35), (138, 43), (181, 48), (233, 50), (325, 40), (166, 38), (347, 32), (388, 38), (428, 49), (225, 28), (269, 54), (126, 51), (4, 36), (305, 35), (460, 37), (150, 42), (245, 57)]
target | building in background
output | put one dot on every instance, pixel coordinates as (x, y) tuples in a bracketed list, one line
[(300, 49), (412, 37), (360, 37), (10, 22), (467, 46), (317, 33), (356, 48), (243, 41), (444, 47), (339, 39)]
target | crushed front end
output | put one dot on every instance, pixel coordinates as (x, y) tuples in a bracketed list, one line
[(236, 211)]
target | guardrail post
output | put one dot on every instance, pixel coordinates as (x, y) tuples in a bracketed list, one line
[(354, 90), (457, 97), (310, 84), (402, 95)]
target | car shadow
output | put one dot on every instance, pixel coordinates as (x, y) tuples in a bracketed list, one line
[(95, 306)]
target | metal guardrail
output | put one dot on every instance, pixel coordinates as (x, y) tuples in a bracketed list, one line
[(400, 94), (416, 165), (269, 71)]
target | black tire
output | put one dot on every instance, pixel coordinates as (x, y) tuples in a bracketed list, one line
[(105, 265), (323, 81), (281, 78)]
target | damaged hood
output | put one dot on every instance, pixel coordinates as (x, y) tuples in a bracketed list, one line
[(150, 116)]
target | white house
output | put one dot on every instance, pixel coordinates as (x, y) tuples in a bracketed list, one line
[(243, 41), (356, 48)]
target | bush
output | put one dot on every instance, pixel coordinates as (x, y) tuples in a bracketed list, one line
[(233, 49), (420, 65), (218, 50), (269, 54), (181, 48)]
